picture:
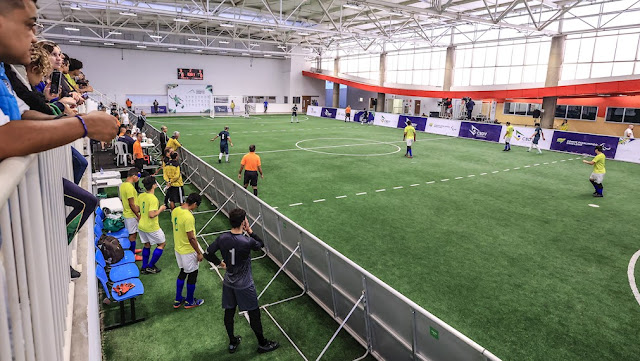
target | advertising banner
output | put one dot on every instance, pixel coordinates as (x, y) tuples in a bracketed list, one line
[(443, 127), (358, 115), (221, 108), (522, 136), (582, 143), (418, 122), (183, 98), (314, 111), (340, 114), (329, 112), (482, 131), (628, 150), (386, 120)]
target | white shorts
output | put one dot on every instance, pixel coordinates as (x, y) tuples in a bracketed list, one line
[(131, 224), (507, 139), (409, 142), (188, 262), (154, 238), (597, 177)]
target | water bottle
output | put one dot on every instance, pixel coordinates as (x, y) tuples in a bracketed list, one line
[(101, 171)]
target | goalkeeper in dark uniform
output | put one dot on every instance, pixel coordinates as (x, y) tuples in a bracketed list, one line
[(238, 289), (294, 113)]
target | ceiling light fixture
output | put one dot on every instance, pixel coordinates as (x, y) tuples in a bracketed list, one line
[(109, 44), (181, 20), (71, 28), (224, 25), (75, 7), (268, 29), (303, 33), (223, 42), (193, 39), (254, 44), (282, 47), (74, 41), (172, 49), (267, 55), (141, 46), (155, 36), (245, 54), (128, 13), (198, 50), (115, 32), (351, 6)]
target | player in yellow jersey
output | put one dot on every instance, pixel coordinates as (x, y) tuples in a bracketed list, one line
[(507, 137), (188, 254), (410, 137), (131, 211), (149, 227), (597, 176)]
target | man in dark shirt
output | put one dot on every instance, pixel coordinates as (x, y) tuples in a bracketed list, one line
[(142, 120), (127, 139), (164, 138), (238, 289), (225, 139)]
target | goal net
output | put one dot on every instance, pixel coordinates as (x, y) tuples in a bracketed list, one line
[(230, 106)]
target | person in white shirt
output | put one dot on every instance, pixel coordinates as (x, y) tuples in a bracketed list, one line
[(628, 133)]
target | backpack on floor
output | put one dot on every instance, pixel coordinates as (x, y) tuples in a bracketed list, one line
[(111, 249)]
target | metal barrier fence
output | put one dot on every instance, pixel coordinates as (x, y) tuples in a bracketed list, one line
[(34, 256), (386, 323)]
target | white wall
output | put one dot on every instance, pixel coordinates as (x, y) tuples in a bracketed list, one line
[(299, 85), (118, 72)]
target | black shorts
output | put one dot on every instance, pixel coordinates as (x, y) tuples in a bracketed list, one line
[(294, 114), (348, 115), (224, 148), (139, 163), (251, 177), (174, 194), (245, 299)]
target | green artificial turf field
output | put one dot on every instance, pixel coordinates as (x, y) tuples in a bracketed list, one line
[(507, 247)]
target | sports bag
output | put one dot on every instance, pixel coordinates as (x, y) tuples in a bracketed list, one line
[(113, 224), (111, 249)]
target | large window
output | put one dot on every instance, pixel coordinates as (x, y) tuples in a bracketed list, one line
[(364, 66), (525, 109), (506, 62), (623, 115), (577, 112), (327, 64), (418, 67), (600, 57)]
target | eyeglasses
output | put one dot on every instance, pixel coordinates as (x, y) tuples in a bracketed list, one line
[(38, 29)]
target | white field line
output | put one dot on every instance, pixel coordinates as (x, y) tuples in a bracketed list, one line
[(323, 147), (631, 275), (445, 180)]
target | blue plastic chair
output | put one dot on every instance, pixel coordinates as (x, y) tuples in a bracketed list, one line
[(121, 272), (136, 291), (129, 257), (99, 213), (97, 230), (123, 233)]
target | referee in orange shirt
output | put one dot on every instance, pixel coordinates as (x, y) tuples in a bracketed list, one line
[(138, 156), (251, 165)]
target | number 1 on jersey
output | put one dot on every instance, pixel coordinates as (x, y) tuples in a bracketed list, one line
[(233, 256)]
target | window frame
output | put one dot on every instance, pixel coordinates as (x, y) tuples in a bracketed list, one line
[(624, 110)]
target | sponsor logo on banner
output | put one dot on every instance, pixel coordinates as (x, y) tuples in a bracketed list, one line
[(443, 127), (581, 143), (628, 150), (521, 137), (477, 133), (221, 109), (313, 111), (340, 114), (386, 119), (417, 122), (329, 112), (490, 132)]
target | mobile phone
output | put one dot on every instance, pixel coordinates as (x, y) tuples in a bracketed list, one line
[(55, 82)]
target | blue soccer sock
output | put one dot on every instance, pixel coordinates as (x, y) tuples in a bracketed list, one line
[(599, 189), (179, 288), (133, 247), (410, 152), (595, 185), (191, 289), (145, 257), (156, 256)]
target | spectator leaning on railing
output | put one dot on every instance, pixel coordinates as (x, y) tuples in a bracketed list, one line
[(18, 29)]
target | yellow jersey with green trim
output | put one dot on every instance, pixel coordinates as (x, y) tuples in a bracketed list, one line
[(409, 132), (148, 202), (509, 131), (598, 164), (182, 221), (127, 190)]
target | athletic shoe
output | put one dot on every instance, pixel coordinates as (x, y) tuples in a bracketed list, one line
[(195, 303), (152, 270), (594, 193), (598, 195), (145, 271), (177, 304), (268, 346), (233, 348), (138, 258), (219, 160)]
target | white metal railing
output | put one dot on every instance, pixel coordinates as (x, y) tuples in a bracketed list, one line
[(34, 256)]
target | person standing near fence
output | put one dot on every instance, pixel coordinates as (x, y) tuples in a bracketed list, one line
[(628, 133), (238, 289), (129, 198), (597, 176), (266, 104), (173, 142), (138, 156), (251, 165), (537, 133), (225, 140), (507, 137), (347, 114), (155, 106), (233, 108), (150, 231), (410, 137), (187, 250)]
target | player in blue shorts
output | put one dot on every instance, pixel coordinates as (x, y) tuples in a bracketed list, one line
[(225, 140), (238, 289)]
